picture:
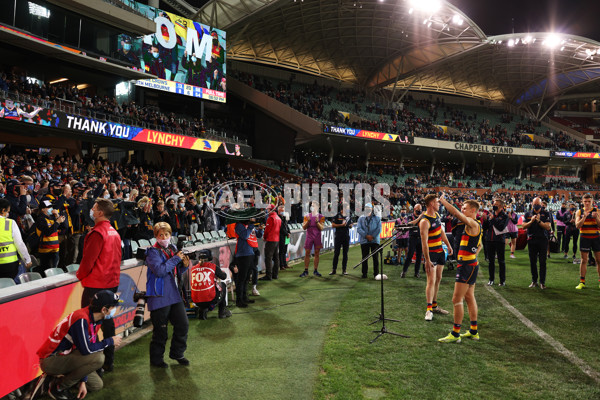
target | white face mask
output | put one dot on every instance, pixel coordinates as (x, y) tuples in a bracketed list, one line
[(107, 196), (92, 215)]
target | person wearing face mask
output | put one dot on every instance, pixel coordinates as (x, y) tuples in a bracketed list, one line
[(414, 242), (561, 225), (13, 246), (154, 64), (571, 230), (313, 225), (126, 52), (74, 350), (537, 223), (513, 230), (165, 268), (496, 229), (100, 265), (146, 216), (47, 224), (369, 229), (196, 74)]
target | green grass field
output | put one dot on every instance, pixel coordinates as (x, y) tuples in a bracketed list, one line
[(308, 338)]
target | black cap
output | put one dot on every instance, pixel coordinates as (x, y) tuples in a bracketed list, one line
[(105, 298), (55, 182), (205, 254), (78, 185)]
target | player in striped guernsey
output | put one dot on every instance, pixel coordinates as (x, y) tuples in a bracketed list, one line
[(432, 237), (468, 266), (588, 222)]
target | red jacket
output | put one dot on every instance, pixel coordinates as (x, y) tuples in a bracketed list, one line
[(272, 228), (61, 330), (101, 261)]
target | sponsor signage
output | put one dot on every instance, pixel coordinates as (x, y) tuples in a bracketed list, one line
[(572, 154), (360, 133), (483, 148), (91, 126)]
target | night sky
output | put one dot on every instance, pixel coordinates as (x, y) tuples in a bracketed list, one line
[(494, 17)]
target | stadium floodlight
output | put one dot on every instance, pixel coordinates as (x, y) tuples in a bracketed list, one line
[(511, 43), (457, 19), (429, 6), (526, 40), (552, 41)]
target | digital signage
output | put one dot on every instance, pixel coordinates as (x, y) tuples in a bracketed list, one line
[(361, 133), (187, 57)]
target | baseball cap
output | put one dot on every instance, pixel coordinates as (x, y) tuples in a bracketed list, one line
[(46, 204), (205, 254), (368, 205), (105, 298)]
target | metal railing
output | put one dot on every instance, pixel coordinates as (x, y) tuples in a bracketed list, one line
[(72, 107)]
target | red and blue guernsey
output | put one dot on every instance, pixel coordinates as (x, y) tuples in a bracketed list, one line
[(589, 230), (434, 240), (12, 114)]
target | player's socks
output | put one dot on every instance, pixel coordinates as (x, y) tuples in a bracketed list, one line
[(473, 329), (429, 307), (456, 330)]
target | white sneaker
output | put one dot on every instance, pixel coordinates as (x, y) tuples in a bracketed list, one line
[(428, 315), (512, 256), (255, 292)]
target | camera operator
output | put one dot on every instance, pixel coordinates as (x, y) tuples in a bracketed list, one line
[(206, 292), (73, 349), (165, 268)]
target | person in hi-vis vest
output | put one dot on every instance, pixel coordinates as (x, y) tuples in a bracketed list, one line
[(11, 244)]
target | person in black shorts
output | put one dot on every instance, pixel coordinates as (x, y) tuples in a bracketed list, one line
[(432, 236), (468, 267), (588, 222)]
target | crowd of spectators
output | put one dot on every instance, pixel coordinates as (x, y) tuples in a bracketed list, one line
[(67, 97), (467, 127)]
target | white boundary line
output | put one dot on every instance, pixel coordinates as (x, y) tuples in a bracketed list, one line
[(589, 371)]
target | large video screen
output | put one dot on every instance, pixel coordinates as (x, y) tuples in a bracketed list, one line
[(187, 57)]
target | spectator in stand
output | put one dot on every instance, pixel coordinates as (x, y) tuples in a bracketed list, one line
[(100, 266), (47, 223), (12, 247)]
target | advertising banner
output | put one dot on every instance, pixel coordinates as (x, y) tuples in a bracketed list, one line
[(188, 57), (360, 133), (572, 154), (58, 119)]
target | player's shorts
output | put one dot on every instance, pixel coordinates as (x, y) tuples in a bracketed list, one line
[(438, 258), (402, 243), (588, 245), (513, 235), (467, 273), (313, 242)]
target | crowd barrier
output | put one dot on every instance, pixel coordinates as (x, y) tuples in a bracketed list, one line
[(31, 310)]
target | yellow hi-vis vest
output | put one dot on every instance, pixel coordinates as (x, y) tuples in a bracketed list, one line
[(8, 250)]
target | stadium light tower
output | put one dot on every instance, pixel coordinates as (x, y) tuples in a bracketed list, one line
[(552, 41)]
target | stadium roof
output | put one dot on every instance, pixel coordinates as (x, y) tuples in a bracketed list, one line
[(403, 44)]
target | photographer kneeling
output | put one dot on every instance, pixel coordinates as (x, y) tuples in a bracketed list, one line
[(165, 268), (206, 292), (73, 348)]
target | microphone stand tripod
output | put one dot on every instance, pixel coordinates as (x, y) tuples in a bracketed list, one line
[(379, 252)]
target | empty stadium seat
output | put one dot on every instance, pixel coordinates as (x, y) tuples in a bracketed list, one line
[(6, 282), (28, 277), (53, 272), (73, 267)]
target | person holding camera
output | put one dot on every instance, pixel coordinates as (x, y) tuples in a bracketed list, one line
[(165, 302), (100, 266), (206, 291), (47, 223), (73, 348), (537, 222)]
